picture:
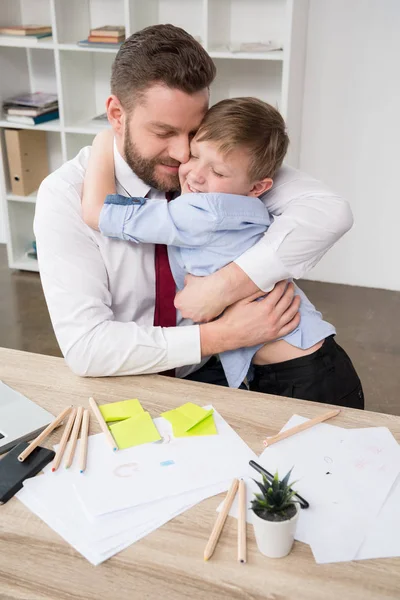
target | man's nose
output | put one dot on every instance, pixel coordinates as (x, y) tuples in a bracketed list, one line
[(180, 150)]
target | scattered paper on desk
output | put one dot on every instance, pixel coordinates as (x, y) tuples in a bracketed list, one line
[(53, 498), (118, 411), (346, 476), (191, 420), (137, 430)]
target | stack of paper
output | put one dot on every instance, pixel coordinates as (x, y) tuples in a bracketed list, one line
[(126, 495), (350, 478)]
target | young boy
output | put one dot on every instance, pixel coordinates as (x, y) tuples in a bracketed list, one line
[(240, 145)]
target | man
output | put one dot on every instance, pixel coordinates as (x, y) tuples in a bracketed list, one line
[(111, 302)]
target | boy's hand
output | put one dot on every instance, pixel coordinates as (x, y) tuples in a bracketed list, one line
[(204, 298)]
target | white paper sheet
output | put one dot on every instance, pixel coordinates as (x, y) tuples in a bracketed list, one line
[(103, 537), (120, 480), (383, 538), (346, 476)]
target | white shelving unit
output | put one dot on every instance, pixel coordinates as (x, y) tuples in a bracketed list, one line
[(80, 76)]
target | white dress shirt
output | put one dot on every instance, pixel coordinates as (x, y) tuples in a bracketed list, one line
[(101, 291)]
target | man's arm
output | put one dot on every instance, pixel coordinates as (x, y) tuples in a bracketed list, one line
[(76, 285), (309, 219)]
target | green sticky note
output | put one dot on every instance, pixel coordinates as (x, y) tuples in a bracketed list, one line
[(134, 431), (205, 427), (118, 411), (190, 420)]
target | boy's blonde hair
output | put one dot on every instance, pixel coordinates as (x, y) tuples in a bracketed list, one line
[(249, 123)]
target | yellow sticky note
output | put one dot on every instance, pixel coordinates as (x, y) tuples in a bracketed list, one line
[(190, 420), (118, 411), (134, 431), (205, 427)]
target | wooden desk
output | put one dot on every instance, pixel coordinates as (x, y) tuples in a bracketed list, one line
[(36, 564)]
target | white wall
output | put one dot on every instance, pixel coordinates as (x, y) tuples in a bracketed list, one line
[(351, 132)]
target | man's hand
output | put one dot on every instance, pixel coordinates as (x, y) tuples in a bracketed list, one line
[(204, 298), (248, 323)]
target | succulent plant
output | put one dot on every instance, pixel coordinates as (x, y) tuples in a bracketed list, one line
[(275, 502)]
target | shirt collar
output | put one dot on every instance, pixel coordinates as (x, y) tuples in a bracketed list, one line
[(127, 178)]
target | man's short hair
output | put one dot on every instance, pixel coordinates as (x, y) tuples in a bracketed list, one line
[(248, 123), (160, 54)]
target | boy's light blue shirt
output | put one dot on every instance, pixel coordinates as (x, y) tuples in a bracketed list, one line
[(205, 232)]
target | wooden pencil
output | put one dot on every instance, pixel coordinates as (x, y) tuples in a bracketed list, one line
[(84, 439), (74, 437), (302, 427), (42, 436), (242, 523), (103, 424), (219, 523), (63, 443)]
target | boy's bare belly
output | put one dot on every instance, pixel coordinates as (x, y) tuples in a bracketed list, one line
[(280, 351)]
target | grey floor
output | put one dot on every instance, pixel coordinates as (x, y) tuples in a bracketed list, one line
[(367, 322)]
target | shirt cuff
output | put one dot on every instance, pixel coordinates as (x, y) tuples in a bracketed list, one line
[(183, 346), (112, 220), (265, 272)]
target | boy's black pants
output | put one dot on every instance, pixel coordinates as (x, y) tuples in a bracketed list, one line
[(326, 375)]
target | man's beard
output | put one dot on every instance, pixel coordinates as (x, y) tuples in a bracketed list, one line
[(145, 168)]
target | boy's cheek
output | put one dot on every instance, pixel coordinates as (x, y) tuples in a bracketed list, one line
[(183, 172)]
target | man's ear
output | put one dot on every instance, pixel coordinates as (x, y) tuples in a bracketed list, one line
[(115, 114), (260, 187)]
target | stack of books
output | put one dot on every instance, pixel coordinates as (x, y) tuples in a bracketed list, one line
[(107, 35), (31, 109), (21, 33)]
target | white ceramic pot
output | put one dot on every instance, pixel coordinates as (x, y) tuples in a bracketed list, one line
[(275, 538)]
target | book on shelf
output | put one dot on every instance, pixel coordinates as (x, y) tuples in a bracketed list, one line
[(26, 30), (24, 120), (87, 44), (16, 40), (27, 111), (34, 100), (105, 40), (108, 31)]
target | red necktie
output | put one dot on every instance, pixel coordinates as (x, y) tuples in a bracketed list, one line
[(165, 311)]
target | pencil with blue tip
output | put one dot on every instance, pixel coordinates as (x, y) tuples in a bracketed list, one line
[(84, 440)]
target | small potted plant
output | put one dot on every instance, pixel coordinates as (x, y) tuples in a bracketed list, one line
[(275, 515)]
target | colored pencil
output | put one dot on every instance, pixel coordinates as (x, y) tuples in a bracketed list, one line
[(64, 440), (74, 437), (242, 523), (103, 424), (42, 436), (219, 523), (302, 427), (84, 439)]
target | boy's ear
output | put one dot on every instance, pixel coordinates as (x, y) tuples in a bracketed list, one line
[(115, 114), (260, 187)]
